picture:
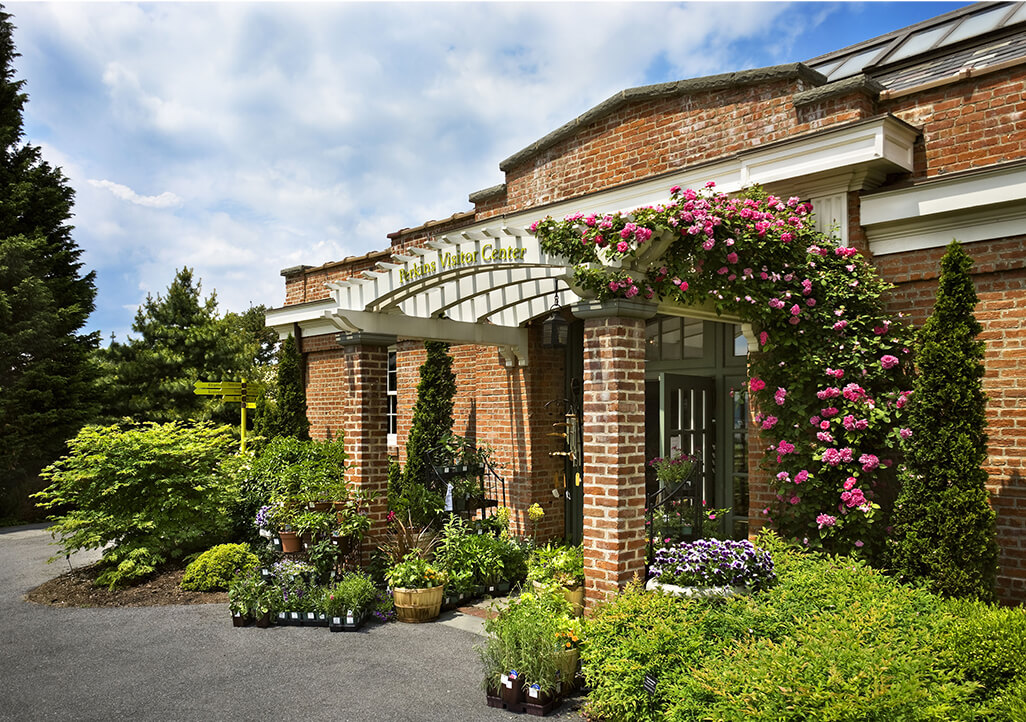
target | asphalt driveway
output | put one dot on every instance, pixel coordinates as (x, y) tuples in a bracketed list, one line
[(189, 663)]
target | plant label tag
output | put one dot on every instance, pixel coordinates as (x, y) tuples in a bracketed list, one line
[(650, 684), (311, 616), (513, 674), (282, 615), (294, 615), (534, 691), (504, 679), (349, 618), (336, 621)]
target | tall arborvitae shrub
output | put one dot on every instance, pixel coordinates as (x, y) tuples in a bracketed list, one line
[(432, 419), (287, 415), (943, 532)]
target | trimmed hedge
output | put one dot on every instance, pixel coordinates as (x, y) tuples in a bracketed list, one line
[(833, 640)]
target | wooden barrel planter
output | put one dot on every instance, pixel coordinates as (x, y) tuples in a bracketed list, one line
[(417, 605)]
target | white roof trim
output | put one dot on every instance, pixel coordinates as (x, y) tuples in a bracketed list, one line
[(973, 207)]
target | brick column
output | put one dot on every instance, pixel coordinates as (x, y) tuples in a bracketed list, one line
[(613, 429), (366, 423)]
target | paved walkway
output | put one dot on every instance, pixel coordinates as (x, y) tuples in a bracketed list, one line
[(189, 663)]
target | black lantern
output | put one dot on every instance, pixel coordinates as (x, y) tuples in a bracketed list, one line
[(554, 329)]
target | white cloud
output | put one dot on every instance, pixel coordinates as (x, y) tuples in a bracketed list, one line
[(166, 199), (284, 134)]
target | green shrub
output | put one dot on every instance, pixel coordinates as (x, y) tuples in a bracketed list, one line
[(944, 533), (152, 492), (985, 644), (849, 666), (286, 468), (215, 568), (834, 639)]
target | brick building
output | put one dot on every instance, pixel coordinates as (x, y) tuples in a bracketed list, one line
[(901, 142)]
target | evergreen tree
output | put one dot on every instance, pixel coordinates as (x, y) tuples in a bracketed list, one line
[(181, 340), (944, 534), (47, 389), (432, 420), (286, 415)]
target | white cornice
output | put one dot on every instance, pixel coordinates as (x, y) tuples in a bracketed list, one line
[(971, 207)]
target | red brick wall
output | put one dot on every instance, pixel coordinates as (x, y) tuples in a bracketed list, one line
[(366, 428), (970, 124), (327, 381), (650, 137), (614, 455), (999, 274), (504, 408)]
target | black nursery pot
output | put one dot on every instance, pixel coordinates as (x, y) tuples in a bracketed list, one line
[(513, 693)]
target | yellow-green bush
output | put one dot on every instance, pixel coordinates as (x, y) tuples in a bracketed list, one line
[(215, 568), (835, 639)]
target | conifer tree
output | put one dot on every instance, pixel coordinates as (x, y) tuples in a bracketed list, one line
[(286, 416), (432, 419), (47, 379), (181, 340), (944, 533)]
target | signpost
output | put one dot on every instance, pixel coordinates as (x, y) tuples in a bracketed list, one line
[(233, 392)]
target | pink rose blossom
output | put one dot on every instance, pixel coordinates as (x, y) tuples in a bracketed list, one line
[(829, 412), (756, 384), (769, 422), (888, 361), (731, 257), (825, 520), (780, 396), (869, 462), (801, 476), (905, 433), (763, 338), (622, 246)]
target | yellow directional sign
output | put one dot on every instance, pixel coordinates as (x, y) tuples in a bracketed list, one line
[(232, 392)]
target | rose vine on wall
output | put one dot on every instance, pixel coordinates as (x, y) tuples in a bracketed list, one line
[(830, 374)]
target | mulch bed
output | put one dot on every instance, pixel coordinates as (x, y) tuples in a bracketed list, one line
[(76, 589)]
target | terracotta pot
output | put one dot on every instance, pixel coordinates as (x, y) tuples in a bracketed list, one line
[(290, 542), (417, 605)]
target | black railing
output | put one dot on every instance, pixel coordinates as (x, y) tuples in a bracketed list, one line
[(664, 498)]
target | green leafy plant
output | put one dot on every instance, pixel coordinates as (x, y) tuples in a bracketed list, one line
[(249, 594), (527, 636), (354, 593), (215, 568), (944, 526), (287, 471), (146, 494), (561, 565), (406, 537), (414, 572)]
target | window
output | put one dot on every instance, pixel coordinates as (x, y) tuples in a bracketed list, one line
[(392, 390), (674, 338)]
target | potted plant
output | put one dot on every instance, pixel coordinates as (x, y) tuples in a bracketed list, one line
[(416, 589), (248, 599), (288, 591), (711, 568), (275, 520), (562, 569), (522, 655), (348, 601)]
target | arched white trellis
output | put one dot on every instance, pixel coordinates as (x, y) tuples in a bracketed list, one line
[(482, 286)]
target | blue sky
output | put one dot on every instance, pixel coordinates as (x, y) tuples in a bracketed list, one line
[(243, 138)]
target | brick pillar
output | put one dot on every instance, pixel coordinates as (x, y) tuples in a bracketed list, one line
[(613, 429), (366, 423)]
